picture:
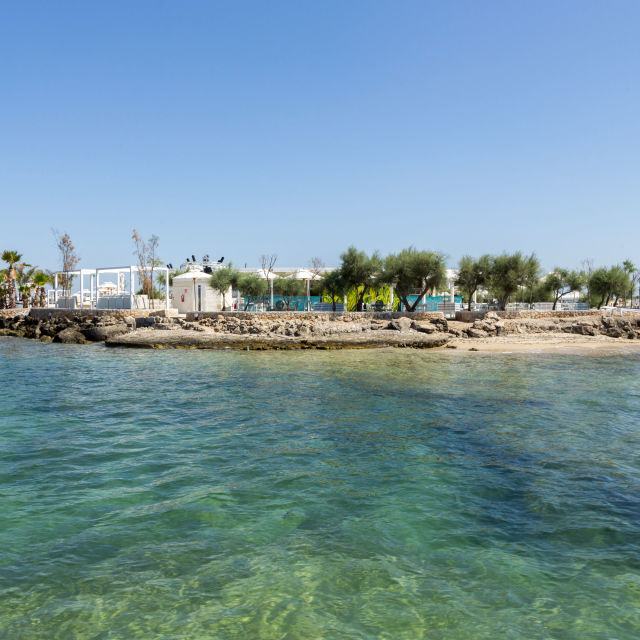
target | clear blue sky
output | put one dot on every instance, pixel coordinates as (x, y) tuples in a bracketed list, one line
[(299, 128)]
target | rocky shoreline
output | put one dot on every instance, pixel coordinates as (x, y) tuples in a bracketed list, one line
[(237, 330)]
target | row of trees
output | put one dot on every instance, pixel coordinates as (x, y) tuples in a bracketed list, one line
[(27, 283), (510, 276), (22, 281), (412, 273), (415, 273), (513, 276), (253, 287)]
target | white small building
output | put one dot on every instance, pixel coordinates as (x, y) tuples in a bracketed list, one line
[(192, 292)]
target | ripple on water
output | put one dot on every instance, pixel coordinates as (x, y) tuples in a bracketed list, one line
[(365, 494)]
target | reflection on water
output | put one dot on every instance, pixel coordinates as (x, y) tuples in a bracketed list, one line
[(357, 494)]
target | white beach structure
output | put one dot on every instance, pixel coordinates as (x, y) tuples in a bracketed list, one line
[(100, 294), (192, 292)]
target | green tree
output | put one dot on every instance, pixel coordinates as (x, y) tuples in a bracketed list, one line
[(359, 270), (510, 272), (24, 282), (12, 258), (530, 275), (473, 274), (252, 286), (632, 272), (542, 292), (41, 279), (334, 287), (560, 282), (4, 289), (609, 283), (288, 288), (412, 271), (222, 279)]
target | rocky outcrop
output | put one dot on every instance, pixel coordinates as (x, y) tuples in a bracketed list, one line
[(65, 328), (288, 331), (299, 330), (590, 325)]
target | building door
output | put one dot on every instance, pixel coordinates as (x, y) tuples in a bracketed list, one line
[(199, 297)]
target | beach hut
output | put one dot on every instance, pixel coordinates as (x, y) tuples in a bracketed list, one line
[(191, 292)]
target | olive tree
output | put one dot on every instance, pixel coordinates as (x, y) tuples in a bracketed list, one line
[(358, 270), (288, 288), (633, 273), (414, 271), (560, 282), (252, 286), (609, 283), (473, 274), (334, 286), (221, 280), (510, 272)]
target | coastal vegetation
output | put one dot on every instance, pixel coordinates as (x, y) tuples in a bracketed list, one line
[(359, 271), (69, 260), (221, 280), (148, 261), (473, 274), (361, 280), (22, 281), (253, 288), (288, 288), (412, 270)]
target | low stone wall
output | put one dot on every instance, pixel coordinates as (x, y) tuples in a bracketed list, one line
[(117, 314), (323, 316), (542, 315), (471, 316)]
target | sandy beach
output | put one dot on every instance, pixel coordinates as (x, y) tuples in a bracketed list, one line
[(547, 343)]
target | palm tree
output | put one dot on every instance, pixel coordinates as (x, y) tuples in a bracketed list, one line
[(41, 279), (3, 288), (24, 282), (12, 258)]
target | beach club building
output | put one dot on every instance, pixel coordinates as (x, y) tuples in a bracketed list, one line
[(192, 292)]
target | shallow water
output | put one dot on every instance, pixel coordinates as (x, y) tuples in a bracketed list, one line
[(354, 494)]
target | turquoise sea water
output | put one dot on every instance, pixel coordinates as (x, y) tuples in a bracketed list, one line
[(355, 494)]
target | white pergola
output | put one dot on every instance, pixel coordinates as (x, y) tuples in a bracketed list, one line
[(94, 283)]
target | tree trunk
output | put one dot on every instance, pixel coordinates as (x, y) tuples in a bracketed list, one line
[(11, 288)]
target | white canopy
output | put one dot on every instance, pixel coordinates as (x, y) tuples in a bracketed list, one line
[(266, 275), (305, 274), (190, 275)]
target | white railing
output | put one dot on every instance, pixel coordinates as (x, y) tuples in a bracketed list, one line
[(620, 310)]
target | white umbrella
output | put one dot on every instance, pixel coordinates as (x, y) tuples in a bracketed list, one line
[(305, 274), (266, 275)]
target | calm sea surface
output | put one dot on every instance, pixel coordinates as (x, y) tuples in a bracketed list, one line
[(355, 494)]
